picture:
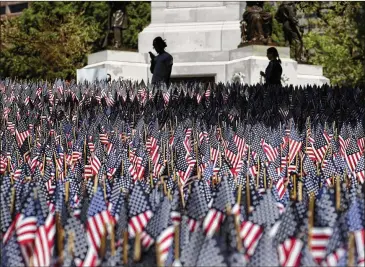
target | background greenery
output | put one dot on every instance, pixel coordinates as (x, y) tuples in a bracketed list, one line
[(52, 39)]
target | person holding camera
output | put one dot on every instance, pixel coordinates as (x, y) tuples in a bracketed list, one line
[(161, 65)]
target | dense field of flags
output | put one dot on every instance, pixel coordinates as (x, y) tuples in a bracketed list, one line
[(124, 174)]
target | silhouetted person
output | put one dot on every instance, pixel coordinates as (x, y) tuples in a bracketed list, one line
[(273, 71), (161, 65)]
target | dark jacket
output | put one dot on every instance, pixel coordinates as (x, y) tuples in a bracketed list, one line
[(273, 72)]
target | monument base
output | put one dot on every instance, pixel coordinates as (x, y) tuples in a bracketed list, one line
[(223, 65)]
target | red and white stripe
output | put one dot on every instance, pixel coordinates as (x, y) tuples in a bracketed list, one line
[(146, 240), (212, 222), (250, 235), (280, 187), (270, 152), (88, 172), (361, 176), (361, 144), (319, 241), (240, 143), (138, 223), (3, 164), (26, 228), (290, 252), (166, 97), (352, 160), (294, 148), (214, 153), (20, 137), (164, 243), (310, 152), (332, 259), (44, 242), (320, 152), (193, 225), (175, 217), (103, 137), (343, 145), (360, 246), (76, 155), (96, 226), (95, 165)]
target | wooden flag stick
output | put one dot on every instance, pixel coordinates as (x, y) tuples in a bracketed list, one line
[(265, 182), (85, 160), (351, 250), (177, 242), (248, 202), (71, 243), (181, 193), (239, 194), (12, 204), (64, 163), (55, 159), (137, 247), (59, 237), (258, 173), (158, 255), (104, 186), (300, 182), (103, 242), (338, 193), (96, 181), (311, 216), (237, 226), (67, 187), (125, 247), (44, 163)]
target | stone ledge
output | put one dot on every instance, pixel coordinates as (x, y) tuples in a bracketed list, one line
[(310, 70), (258, 50), (221, 64), (115, 55)]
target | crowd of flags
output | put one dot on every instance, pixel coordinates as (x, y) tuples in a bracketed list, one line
[(130, 174)]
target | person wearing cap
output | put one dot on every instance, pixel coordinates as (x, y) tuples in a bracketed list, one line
[(161, 65)]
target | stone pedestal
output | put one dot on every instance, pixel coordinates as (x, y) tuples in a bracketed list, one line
[(202, 37)]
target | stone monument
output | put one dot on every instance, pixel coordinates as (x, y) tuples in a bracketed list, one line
[(202, 37)]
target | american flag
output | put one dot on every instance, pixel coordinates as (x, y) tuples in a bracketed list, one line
[(353, 155), (44, 241), (139, 210), (98, 220), (318, 242), (21, 133), (360, 170), (250, 235)]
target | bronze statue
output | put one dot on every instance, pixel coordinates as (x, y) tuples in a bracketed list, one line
[(256, 24), (118, 22), (286, 15)]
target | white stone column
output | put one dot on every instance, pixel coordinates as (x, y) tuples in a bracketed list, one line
[(194, 26)]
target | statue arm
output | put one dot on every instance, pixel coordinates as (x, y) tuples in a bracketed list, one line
[(292, 15)]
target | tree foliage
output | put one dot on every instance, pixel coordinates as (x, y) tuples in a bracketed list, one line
[(336, 40), (277, 29), (51, 40), (139, 14)]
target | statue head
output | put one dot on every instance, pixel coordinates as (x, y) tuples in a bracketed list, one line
[(159, 44)]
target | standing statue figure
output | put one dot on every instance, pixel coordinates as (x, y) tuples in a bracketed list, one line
[(256, 24), (118, 22), (286, 15)]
